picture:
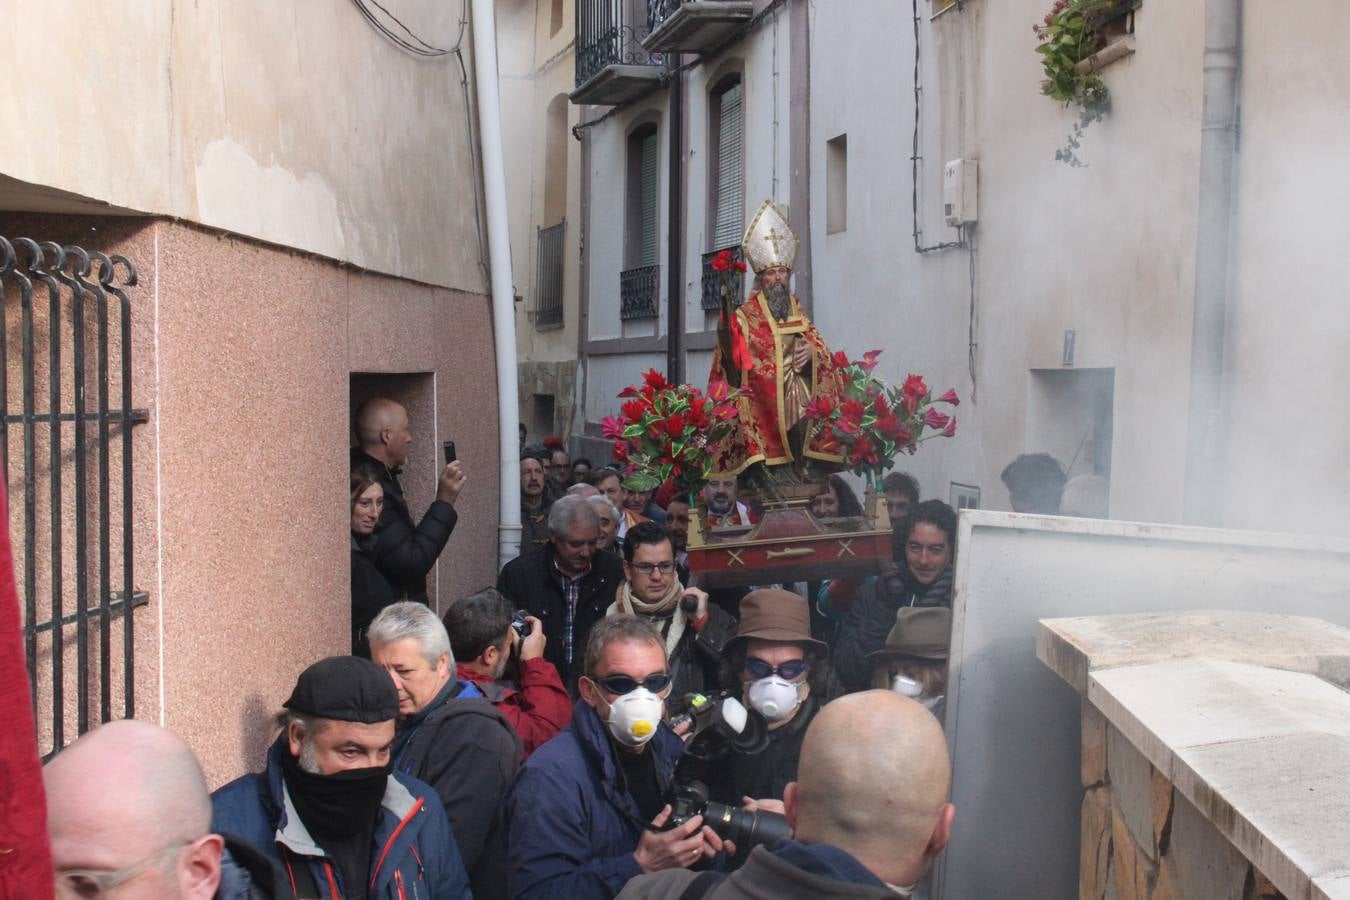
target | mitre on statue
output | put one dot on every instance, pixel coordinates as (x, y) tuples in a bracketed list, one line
[(769, 241)]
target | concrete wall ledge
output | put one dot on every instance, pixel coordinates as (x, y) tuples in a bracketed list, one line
[(1243, 714)]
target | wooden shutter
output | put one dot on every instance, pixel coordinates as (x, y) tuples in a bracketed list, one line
[(647, 182), (728, 202)]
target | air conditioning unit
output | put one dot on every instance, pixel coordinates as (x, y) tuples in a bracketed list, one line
[(960, 192)]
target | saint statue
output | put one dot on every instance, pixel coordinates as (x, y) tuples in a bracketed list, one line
[(769, 348)]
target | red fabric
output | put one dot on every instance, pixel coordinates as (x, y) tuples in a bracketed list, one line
[(843, 592), (25, 857), (539, 709)]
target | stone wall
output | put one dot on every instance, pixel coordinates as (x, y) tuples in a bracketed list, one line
[(1142, 840)]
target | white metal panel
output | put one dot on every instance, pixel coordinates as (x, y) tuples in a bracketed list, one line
[(729, 225)]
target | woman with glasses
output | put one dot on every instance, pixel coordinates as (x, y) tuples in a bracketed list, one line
[(370, 590), (693, 631), (782, 673)]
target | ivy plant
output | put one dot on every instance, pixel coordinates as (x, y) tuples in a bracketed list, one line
[(1068, 35)]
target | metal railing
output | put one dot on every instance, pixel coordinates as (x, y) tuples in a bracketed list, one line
[(639, 291), (548, 276), (606, 38), (70, 356), (713, 281)]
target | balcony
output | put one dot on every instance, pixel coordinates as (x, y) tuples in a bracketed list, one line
[(693, 26), (639, 291), (548, 277), (613, 66), (712, 282)]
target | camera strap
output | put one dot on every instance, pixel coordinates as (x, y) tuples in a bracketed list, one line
[(702, 885)]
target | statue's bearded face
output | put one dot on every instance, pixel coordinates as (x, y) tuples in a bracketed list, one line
[(779, 299)]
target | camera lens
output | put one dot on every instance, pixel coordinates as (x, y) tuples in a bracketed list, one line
[(745, 829)]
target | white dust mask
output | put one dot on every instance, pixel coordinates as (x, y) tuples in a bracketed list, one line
[(774, 698), (633, 717), (906, 686)]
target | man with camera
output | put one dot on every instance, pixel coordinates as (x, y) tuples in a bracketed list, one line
[(449, 737), (694, 631), (403, 552), (869, 812), (502, 653), (586, 812)]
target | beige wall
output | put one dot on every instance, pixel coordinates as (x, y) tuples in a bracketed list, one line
[(243, 356), (296, 124)]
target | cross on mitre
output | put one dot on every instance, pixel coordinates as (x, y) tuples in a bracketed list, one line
[(773, 237)]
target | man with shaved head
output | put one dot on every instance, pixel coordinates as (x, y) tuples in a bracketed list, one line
[(403, 552), (128, 811), (868, 810)]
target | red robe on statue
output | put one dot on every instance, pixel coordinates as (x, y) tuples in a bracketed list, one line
[(767, 404)]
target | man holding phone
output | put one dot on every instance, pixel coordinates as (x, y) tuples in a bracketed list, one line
[(404, 551), (502, 652)]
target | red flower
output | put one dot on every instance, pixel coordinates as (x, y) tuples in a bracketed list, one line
[(881, 405), (888, 425), (630, 391), (719, 391), (852, 411), (820, 408), (698, 416), (611, 428), (675, 425), (914, 386), (950, 397), (655, 380), (903, 436), (859, 454), (722, 261), (846, 427), (725, 411), (840, 359), (869, 360), (950, 429), (621, 451), (633, 409), (936, 420), (655, 428), (739, 266)]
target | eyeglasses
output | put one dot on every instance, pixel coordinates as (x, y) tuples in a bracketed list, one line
[(758, 668), (95, 884), (624, 684), (665, 568)]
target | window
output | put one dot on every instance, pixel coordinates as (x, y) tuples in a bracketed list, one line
[(556, 143), (836, 184), (640, 230), (726, 155)]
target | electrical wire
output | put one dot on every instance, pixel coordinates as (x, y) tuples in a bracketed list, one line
[(916, 157), (420, 47)]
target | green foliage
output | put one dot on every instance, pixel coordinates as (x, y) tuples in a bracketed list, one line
[(1068, 36)]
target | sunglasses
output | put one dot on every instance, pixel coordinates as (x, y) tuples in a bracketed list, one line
[(623, 684), (758, 668)]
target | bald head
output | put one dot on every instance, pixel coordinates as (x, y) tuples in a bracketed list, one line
[(873, 780), (382, 430), (128, 790)]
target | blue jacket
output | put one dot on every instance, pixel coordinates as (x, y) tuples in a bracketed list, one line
[(413, 854), (573, 825)]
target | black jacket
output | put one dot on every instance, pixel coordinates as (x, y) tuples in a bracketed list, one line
[(763, 775), (695, 664), (872, 617), (467, 751), (370, 592), (532, 583), (404, 552)]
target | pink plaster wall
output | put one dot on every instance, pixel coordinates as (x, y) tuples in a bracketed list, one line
[(244, 355)]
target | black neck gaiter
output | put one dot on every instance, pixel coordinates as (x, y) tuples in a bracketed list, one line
[(335, 806)]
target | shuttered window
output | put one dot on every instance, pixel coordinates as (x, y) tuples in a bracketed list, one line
[(647, 201), (728, 202)]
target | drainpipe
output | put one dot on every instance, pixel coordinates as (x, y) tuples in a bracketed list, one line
[(499, 265), (675, 230), (1218, 162)]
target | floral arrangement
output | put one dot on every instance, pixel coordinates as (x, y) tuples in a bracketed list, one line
[(667, 431), (872, 422), (1068, 35)]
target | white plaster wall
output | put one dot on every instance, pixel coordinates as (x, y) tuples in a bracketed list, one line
[(295, 125), (1106, 251), (607, 375)]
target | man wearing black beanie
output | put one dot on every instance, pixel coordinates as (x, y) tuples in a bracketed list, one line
[(329, 806)]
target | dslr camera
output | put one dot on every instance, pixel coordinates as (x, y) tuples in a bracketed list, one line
[(518, 623), (719, 725)]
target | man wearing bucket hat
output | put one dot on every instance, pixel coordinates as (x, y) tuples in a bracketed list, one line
[(780, 671), (914, 660)]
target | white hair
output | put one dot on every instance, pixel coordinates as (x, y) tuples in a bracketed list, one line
[(412, 620), (601, 498)]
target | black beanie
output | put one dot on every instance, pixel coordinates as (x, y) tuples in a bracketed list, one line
[(345, 688)]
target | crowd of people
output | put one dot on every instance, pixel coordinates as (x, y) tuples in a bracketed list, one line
[(536, 741)]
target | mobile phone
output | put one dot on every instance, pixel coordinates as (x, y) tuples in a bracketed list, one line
[(450, 452)]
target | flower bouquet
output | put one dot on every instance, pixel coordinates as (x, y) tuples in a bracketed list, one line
[(872, 422), (667, 431)]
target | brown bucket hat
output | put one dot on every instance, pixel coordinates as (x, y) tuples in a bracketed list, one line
[(921, 632), (773, 614)]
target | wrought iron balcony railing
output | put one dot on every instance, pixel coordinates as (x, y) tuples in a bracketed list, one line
[(548, 277), (639, 290), (713, 281), (606, 38)]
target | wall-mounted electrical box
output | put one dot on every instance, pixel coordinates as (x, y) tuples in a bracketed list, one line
[(960, 192)]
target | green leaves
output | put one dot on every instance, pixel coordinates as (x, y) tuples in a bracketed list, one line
[(1067, 38)]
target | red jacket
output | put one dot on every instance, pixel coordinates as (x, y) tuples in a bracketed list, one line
[(538, 709)]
